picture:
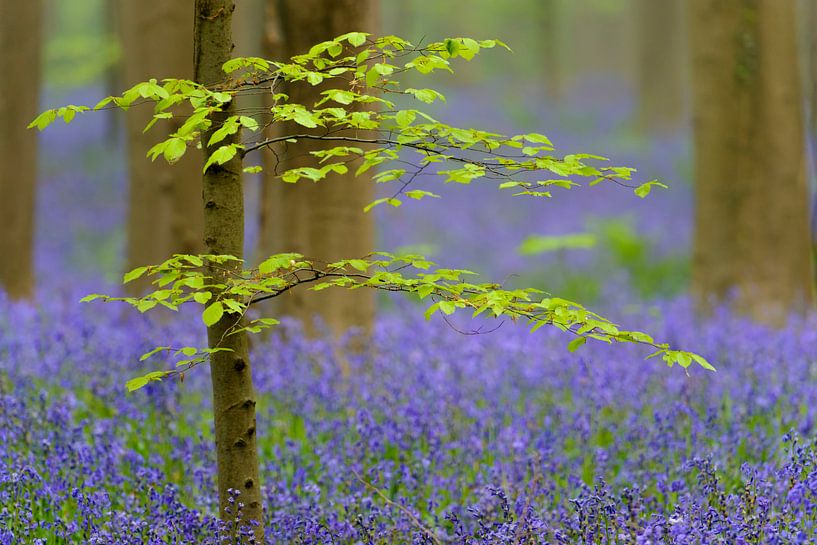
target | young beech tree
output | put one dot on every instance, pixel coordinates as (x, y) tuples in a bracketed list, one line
[(355, 112)]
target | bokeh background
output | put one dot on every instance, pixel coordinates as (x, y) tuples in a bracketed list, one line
[(578, 73)]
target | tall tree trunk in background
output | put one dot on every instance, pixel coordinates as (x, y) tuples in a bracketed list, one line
[(164, 216), (248, 28), (324, 221), (602, 41), (660, 70), (811, 86), (752, 217), (552, 18), (20, 37), (233, 391)]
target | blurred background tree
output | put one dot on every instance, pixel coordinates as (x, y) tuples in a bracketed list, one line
[(323, 221), (20, 53), (164, 216), (752, 238)]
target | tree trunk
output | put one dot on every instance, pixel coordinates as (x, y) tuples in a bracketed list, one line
[(323, 221), (20, 35), (811, 87), (602, 41), (752, 218), (661, 81), (233, 392), (552, 18), (164, 217)]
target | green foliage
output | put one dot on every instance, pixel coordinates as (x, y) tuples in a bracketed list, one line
[(617, 245), (357, 117), (185, 278), (537, 244), (80, 46), (631, 251)]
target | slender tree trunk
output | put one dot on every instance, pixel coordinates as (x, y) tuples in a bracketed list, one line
[(233, 392), (660, 31), (752, 217), (164, 216), (20, 34), (324, 221)]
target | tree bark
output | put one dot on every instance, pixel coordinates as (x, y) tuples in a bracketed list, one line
[(552, 20), (164, 217), (661, 78), (20, 47), (323, 221), (602, 40), (810, 33), (752, 219), (233, 392)]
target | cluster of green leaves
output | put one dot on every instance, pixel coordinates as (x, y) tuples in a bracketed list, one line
[(185, 278), (358, 76)]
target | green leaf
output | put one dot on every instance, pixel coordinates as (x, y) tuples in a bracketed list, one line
[(700, 360), (229, 127), (448, 307), (145, 305), (418, 194), (278, 261), (355, 39), (431, 310), (574, 345), (374, 203), (425, 290), (134, 274), (153, 352), (314, 78), (139, 382), (174, 149), (644, 189), (536, 138), (334, 49), (383, 69), (102, 103), (404, 118), (202, 297), (221, 156), (305, 118), (212, 314), (426, 95), (340, 96), (43, 120), (248, 123), (135, 383)]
